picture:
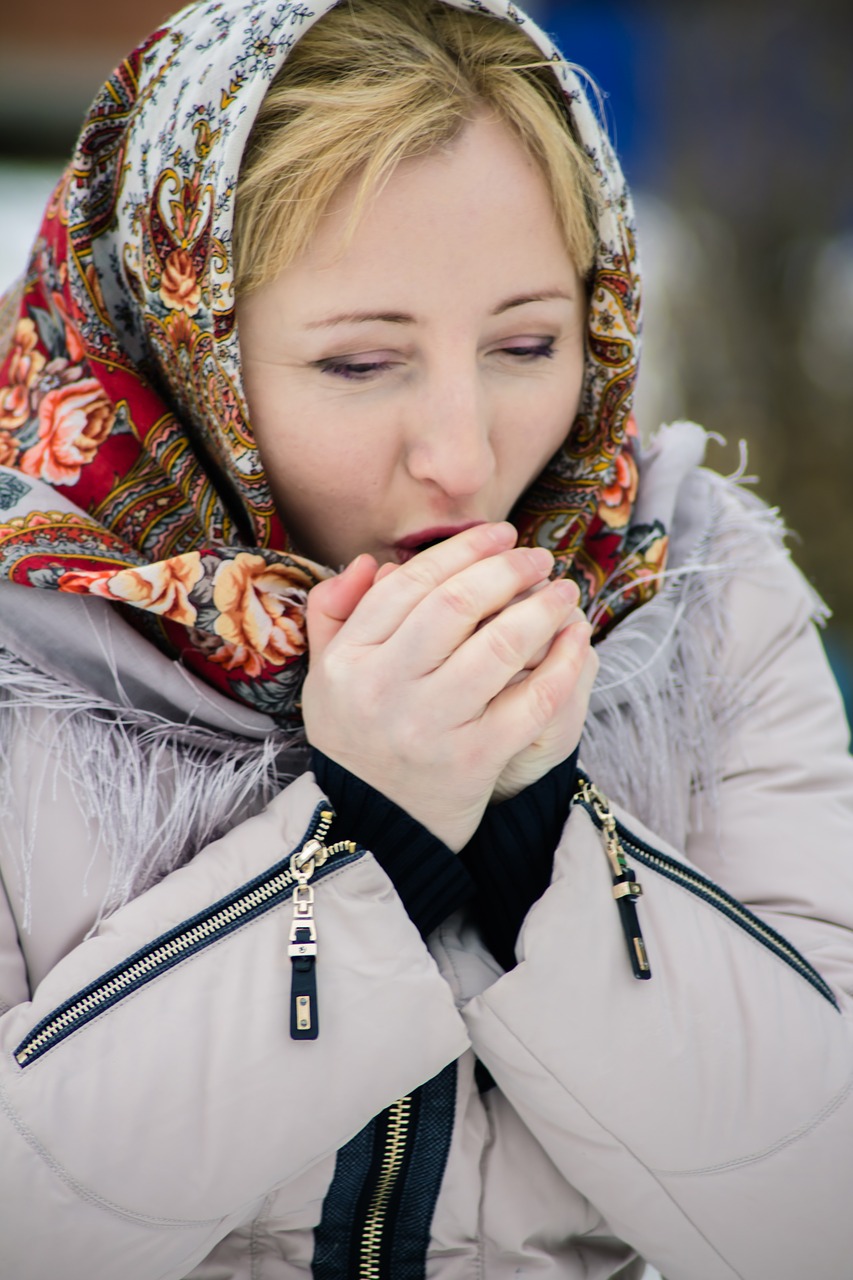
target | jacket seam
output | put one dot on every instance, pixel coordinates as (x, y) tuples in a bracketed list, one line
[(92, 1197), (790, 1139), (256, 1250), (458, 999), (481, 1206), (648, 1169)]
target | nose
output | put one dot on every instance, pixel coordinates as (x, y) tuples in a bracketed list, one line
[(450, 441)]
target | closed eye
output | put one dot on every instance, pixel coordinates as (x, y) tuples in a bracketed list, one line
[(363, 369), (530, 352), (354, 370)]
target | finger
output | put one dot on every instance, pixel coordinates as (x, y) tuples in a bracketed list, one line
[(331, 602), (558, 690), (454, 611), (577, 615), (586, 681), (486, 663), (396, 594), (384, 570), (560, 736)]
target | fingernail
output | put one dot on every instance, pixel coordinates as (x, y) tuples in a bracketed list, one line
[(541, 559), (580, 633), (503, 533), (567, 590)]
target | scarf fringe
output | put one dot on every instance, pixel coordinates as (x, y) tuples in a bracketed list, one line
[(662, 714), (153, 792)]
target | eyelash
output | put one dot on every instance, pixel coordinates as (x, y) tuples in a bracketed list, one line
[(362, 371), (353, 370), (544, 351)]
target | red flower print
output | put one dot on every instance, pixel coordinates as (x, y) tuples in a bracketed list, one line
[(25, 364), (179, 287), (617, 499), (74, 421)]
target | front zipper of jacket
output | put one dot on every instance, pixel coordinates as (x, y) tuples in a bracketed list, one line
[(311, 860), (370, 1234), (588, 796)]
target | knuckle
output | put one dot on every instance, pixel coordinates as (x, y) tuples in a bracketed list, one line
[(422, 573), (459, 599), (548, 699), (506, 645)]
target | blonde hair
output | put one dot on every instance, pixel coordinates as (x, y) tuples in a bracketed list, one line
[(378, 81)]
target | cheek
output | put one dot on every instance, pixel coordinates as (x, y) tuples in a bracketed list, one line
[(291, 440), (548, 420), (323, 471)]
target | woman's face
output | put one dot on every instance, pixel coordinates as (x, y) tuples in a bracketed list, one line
[(417, 382)]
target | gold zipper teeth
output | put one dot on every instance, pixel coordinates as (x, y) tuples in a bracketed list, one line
[(750, 922), (395, 1147), (175, 947)]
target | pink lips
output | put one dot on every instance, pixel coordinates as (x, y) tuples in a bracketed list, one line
[(409, 546)]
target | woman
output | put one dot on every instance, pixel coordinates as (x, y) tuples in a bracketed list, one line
[(323, 363)]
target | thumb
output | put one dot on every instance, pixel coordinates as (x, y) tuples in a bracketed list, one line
[(333, 600)]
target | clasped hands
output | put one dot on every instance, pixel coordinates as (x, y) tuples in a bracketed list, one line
[(451, 681)]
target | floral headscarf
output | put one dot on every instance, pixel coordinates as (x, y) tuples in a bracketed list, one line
[(128, 469)]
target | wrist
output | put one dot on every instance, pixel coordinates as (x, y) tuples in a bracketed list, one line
[(449, 819)]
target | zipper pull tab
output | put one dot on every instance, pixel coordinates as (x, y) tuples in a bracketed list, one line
[(304, 1024), (626, 890), (302, 949)]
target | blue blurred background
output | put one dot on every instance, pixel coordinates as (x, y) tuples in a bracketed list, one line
[(734, 122)]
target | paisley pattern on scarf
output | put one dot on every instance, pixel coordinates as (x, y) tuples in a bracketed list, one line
[(122, 414)]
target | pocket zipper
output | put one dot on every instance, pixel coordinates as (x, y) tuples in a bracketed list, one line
[(287, 878), (596, 805), (626, 887), (302, 949)]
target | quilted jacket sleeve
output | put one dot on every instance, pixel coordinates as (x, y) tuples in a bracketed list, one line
[(708, 1112), (150, 1091)]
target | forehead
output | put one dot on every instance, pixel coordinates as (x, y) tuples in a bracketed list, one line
[(477, 213)]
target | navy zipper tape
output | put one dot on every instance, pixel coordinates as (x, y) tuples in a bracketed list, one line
[(87, 996), (711, 893)]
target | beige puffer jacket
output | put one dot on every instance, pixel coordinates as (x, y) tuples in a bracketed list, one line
[(158, 1120)]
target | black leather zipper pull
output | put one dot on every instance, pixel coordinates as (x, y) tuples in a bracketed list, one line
[(302, 948), (626, 889), (304, 1022)]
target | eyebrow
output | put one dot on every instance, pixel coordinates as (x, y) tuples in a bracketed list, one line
[(400, 317), (547, 295), (361, 317)]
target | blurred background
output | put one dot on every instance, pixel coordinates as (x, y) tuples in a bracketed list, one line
[(734, 121)]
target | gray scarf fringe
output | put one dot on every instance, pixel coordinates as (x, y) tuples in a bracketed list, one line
[(153, 792), (662, 713)]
